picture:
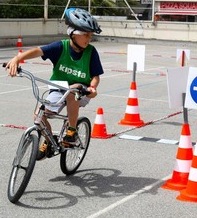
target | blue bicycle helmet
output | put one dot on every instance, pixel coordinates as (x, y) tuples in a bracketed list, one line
[(82, 20)]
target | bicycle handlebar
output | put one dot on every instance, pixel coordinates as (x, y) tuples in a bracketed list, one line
[(79, 91)]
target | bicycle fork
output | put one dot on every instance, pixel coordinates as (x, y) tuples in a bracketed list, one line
[(45, 131)]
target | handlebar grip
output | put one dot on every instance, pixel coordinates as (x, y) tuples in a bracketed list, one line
[(4, 65)]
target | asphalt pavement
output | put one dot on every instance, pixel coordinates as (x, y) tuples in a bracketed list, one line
[(120, 176)]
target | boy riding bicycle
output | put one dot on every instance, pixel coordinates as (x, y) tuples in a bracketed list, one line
[(74, 60)]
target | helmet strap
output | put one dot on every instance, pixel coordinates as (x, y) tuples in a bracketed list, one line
[(75, 43)]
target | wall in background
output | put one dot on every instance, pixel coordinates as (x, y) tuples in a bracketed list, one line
[(40, 31)]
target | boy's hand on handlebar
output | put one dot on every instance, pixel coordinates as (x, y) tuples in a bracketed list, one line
[(90, 92), (93, 92), (12, 66)]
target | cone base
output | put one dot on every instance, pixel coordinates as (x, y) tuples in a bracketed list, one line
[(172, 185), (102, 136), (131, 123), (184, 196)]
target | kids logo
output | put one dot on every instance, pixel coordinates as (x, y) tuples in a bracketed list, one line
[(72, 72)]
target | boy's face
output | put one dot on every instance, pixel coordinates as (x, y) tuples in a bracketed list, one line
[(83, 40)]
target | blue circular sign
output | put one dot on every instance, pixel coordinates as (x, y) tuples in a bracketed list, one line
[(193, 90)]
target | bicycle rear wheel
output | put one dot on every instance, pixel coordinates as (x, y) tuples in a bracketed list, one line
[(23, 166), (71, 159)]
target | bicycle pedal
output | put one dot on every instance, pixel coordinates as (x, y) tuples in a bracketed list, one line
[(63, 149), (68, 144), (49, 155)]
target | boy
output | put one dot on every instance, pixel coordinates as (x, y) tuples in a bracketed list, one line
[(74, 60)]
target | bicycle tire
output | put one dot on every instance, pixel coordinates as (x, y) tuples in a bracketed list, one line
[(71, 159), (23, 166)]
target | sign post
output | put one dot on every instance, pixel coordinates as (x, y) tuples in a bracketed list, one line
[(185, 110)]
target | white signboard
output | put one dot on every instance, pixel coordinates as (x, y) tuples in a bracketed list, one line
[(177, 83), (191, 91), (136, 53), (59, 83)]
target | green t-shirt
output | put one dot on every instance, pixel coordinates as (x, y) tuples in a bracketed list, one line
[(73, 71)]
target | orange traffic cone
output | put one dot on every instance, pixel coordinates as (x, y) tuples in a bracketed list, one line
[(190, 192), (19, 53), (183, 161), (19, 42), (132, 116), (99, 129)]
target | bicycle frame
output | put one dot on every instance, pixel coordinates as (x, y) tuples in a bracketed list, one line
[(27, 151), (40, 126)]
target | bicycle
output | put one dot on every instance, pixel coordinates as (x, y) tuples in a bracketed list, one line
[(26, 154)]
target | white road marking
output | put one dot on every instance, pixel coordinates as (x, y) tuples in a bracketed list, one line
[(128, 198)]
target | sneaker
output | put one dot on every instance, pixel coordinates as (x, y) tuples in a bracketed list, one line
[(42, 151), (70, 137)]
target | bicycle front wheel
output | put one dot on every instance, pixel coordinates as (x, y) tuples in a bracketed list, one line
[(71, 159), (23, 166)]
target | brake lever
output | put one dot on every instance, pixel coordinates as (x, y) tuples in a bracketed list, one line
[(82, 91)]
